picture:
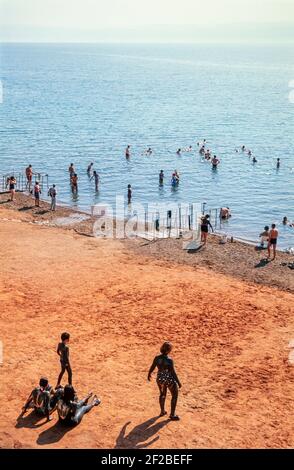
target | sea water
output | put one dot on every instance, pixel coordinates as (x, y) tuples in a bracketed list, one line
[(79, 103)]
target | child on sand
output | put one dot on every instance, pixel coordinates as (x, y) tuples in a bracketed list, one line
[(63, 353), (12, 183)]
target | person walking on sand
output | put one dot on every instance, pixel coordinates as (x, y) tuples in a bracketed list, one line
[(205, 224), (272, 242), (37, 192), (167, 379), (96, 178), (63, 353), (129, 194), (53, 193), (11, 182)]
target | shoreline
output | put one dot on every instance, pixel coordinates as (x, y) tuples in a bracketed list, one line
[(238, 259)]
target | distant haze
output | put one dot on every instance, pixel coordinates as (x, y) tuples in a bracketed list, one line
[(147, 21)]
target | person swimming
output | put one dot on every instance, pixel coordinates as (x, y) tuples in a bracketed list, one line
[(167, 379), (42, 399), (70, 409), (254, 160), (285, 220), (178, 152), (225, 213)]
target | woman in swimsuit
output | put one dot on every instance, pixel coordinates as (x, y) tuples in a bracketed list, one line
[(12, 183), (205, 224), (166, 379), (70, 409)]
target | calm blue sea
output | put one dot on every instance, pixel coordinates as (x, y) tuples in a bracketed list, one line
[(85, 102)]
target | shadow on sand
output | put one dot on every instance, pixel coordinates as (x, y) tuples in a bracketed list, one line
[(31, 421), (137, 437), (53, 434), (25, 208), (262, 263)]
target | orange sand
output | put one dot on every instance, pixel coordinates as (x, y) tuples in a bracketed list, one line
[(230, 345)]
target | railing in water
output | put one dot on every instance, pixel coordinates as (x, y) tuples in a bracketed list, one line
[(22, 183)]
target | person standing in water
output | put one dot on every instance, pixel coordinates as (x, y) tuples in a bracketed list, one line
[(96, 178), (129, 194), (74, 183), (215, 162), (128, 152), (272, 242), (37, 192), (53, 193), (278, 163), (90, 168), (71, 170), (167, 379), (63, 353), (161, 177)]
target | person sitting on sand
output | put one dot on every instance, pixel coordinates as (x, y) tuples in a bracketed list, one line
[(70, 409), (167, 379), (225, 213), (264, 236), (205, 224), (272, 242), (41, 399)]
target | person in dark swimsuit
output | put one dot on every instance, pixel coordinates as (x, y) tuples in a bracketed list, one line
[(161, 177), (129, 194), (205, 224), (12, 183), (63, 352), (70, 409), (41, 399), (167, 379)]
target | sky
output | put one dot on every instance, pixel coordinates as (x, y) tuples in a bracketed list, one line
[(87, 20)]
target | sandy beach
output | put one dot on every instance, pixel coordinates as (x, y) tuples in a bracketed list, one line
[(230, 322)]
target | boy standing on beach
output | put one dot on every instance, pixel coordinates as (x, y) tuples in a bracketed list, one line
[(272, 241), (63, 353)]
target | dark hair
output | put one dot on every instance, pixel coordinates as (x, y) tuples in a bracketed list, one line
[(266, 227), (166, 348), (65, 336), (54, 185), (273, 225), (68, 393), (129, 186), (43, 382)]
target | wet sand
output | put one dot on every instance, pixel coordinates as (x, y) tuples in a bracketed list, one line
[(120, 300)]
